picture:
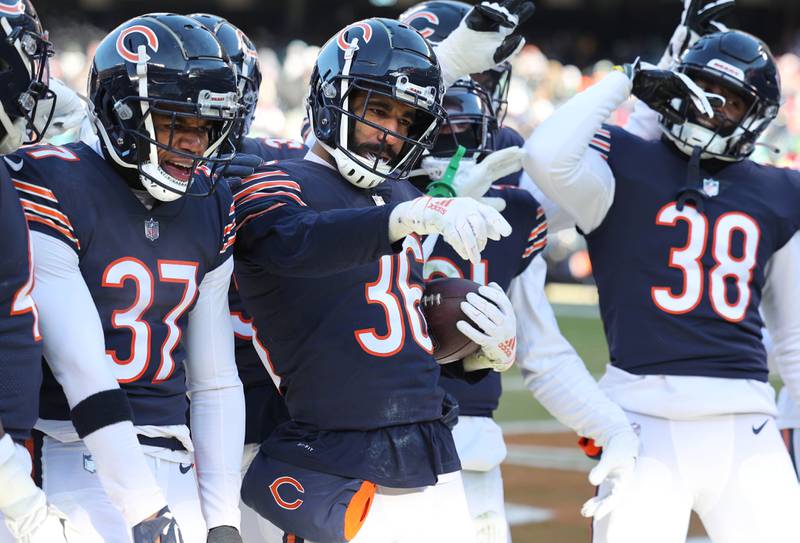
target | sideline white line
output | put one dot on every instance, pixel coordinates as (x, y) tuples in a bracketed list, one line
[(517, 514), (561, 458), (518, 427)]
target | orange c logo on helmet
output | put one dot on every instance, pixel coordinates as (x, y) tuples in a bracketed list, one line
[(243, 43), (432, 18), (147, 32), (291, 481), (365, 28), (17, 8)]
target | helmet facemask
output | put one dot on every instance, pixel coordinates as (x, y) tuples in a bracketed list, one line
[(368, 164), (470, 123), (28, 108), (733, 66), (497, 83)]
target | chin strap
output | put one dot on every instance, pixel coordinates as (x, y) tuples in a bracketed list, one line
[(692, 192)]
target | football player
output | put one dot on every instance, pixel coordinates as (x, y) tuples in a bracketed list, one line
[(552, 369), (685, 242), (329, 263), (24, 117), (133, 237), (436, 20), (264, 407)]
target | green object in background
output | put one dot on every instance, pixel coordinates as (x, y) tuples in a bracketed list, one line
[(443, 188)]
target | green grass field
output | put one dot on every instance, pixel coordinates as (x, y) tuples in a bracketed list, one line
[(585, 333)]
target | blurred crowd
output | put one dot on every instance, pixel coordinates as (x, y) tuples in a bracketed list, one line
[(538, 86)]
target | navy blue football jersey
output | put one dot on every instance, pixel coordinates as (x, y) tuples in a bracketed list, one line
[(508, 137), (264, 406), (501, 261), (20, 341), (336, 314), (680, 286), (142, 268)]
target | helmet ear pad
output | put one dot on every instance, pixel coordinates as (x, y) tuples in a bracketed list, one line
[(325, 125)]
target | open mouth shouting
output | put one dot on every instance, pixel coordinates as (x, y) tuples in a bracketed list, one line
[(180, 169)]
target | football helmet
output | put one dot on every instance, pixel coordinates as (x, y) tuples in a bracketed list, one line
[(470, 123), (743, 64), (435, 20), (244, 56), (377, 57), (24, 54), (173, 66)]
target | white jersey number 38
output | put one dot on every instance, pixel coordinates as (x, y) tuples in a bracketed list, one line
[(688, 259)]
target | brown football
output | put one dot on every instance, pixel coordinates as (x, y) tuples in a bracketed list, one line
[(441, 304)]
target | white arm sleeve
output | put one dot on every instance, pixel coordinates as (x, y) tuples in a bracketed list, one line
[(74, 346), (217, 400), (643, 122), (779, 307), (552, 370), (560, 161), (557, 218)]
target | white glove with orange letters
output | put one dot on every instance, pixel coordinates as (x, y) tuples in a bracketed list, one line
[(496, 330), (463, 223)]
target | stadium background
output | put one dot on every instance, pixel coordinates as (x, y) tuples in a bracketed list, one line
[(571, 44)]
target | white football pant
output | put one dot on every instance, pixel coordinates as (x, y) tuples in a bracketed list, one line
[(72, 486), (732, 470), (480, 445)]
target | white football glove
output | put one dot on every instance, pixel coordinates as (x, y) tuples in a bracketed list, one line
[(45, 525), (697, 19), (615, 469), (475, 179), (496, 330), (463, 223), (70, 110), (483, 39), (490, 527)]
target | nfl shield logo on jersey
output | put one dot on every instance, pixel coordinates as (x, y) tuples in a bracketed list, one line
[(711, 187), (151, 229)]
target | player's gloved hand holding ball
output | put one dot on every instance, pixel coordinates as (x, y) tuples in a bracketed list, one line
[(615, 469), (160, 528), (483, 39), (658, 88), (463, 223), (493, 327)]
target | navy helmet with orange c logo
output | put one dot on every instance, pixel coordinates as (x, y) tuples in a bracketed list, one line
[(173, 66), (378, 57)]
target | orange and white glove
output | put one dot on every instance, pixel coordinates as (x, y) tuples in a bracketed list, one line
[(614, 472), (496, 332), (464, 224)]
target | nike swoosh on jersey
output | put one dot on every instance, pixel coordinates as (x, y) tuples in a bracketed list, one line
[(758, 430), (185, 469), (16, 166)]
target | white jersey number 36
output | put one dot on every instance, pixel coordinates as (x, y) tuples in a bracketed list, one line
[(688, 260)]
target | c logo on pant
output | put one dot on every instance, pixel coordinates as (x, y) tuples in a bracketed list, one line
[(291, 481)]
